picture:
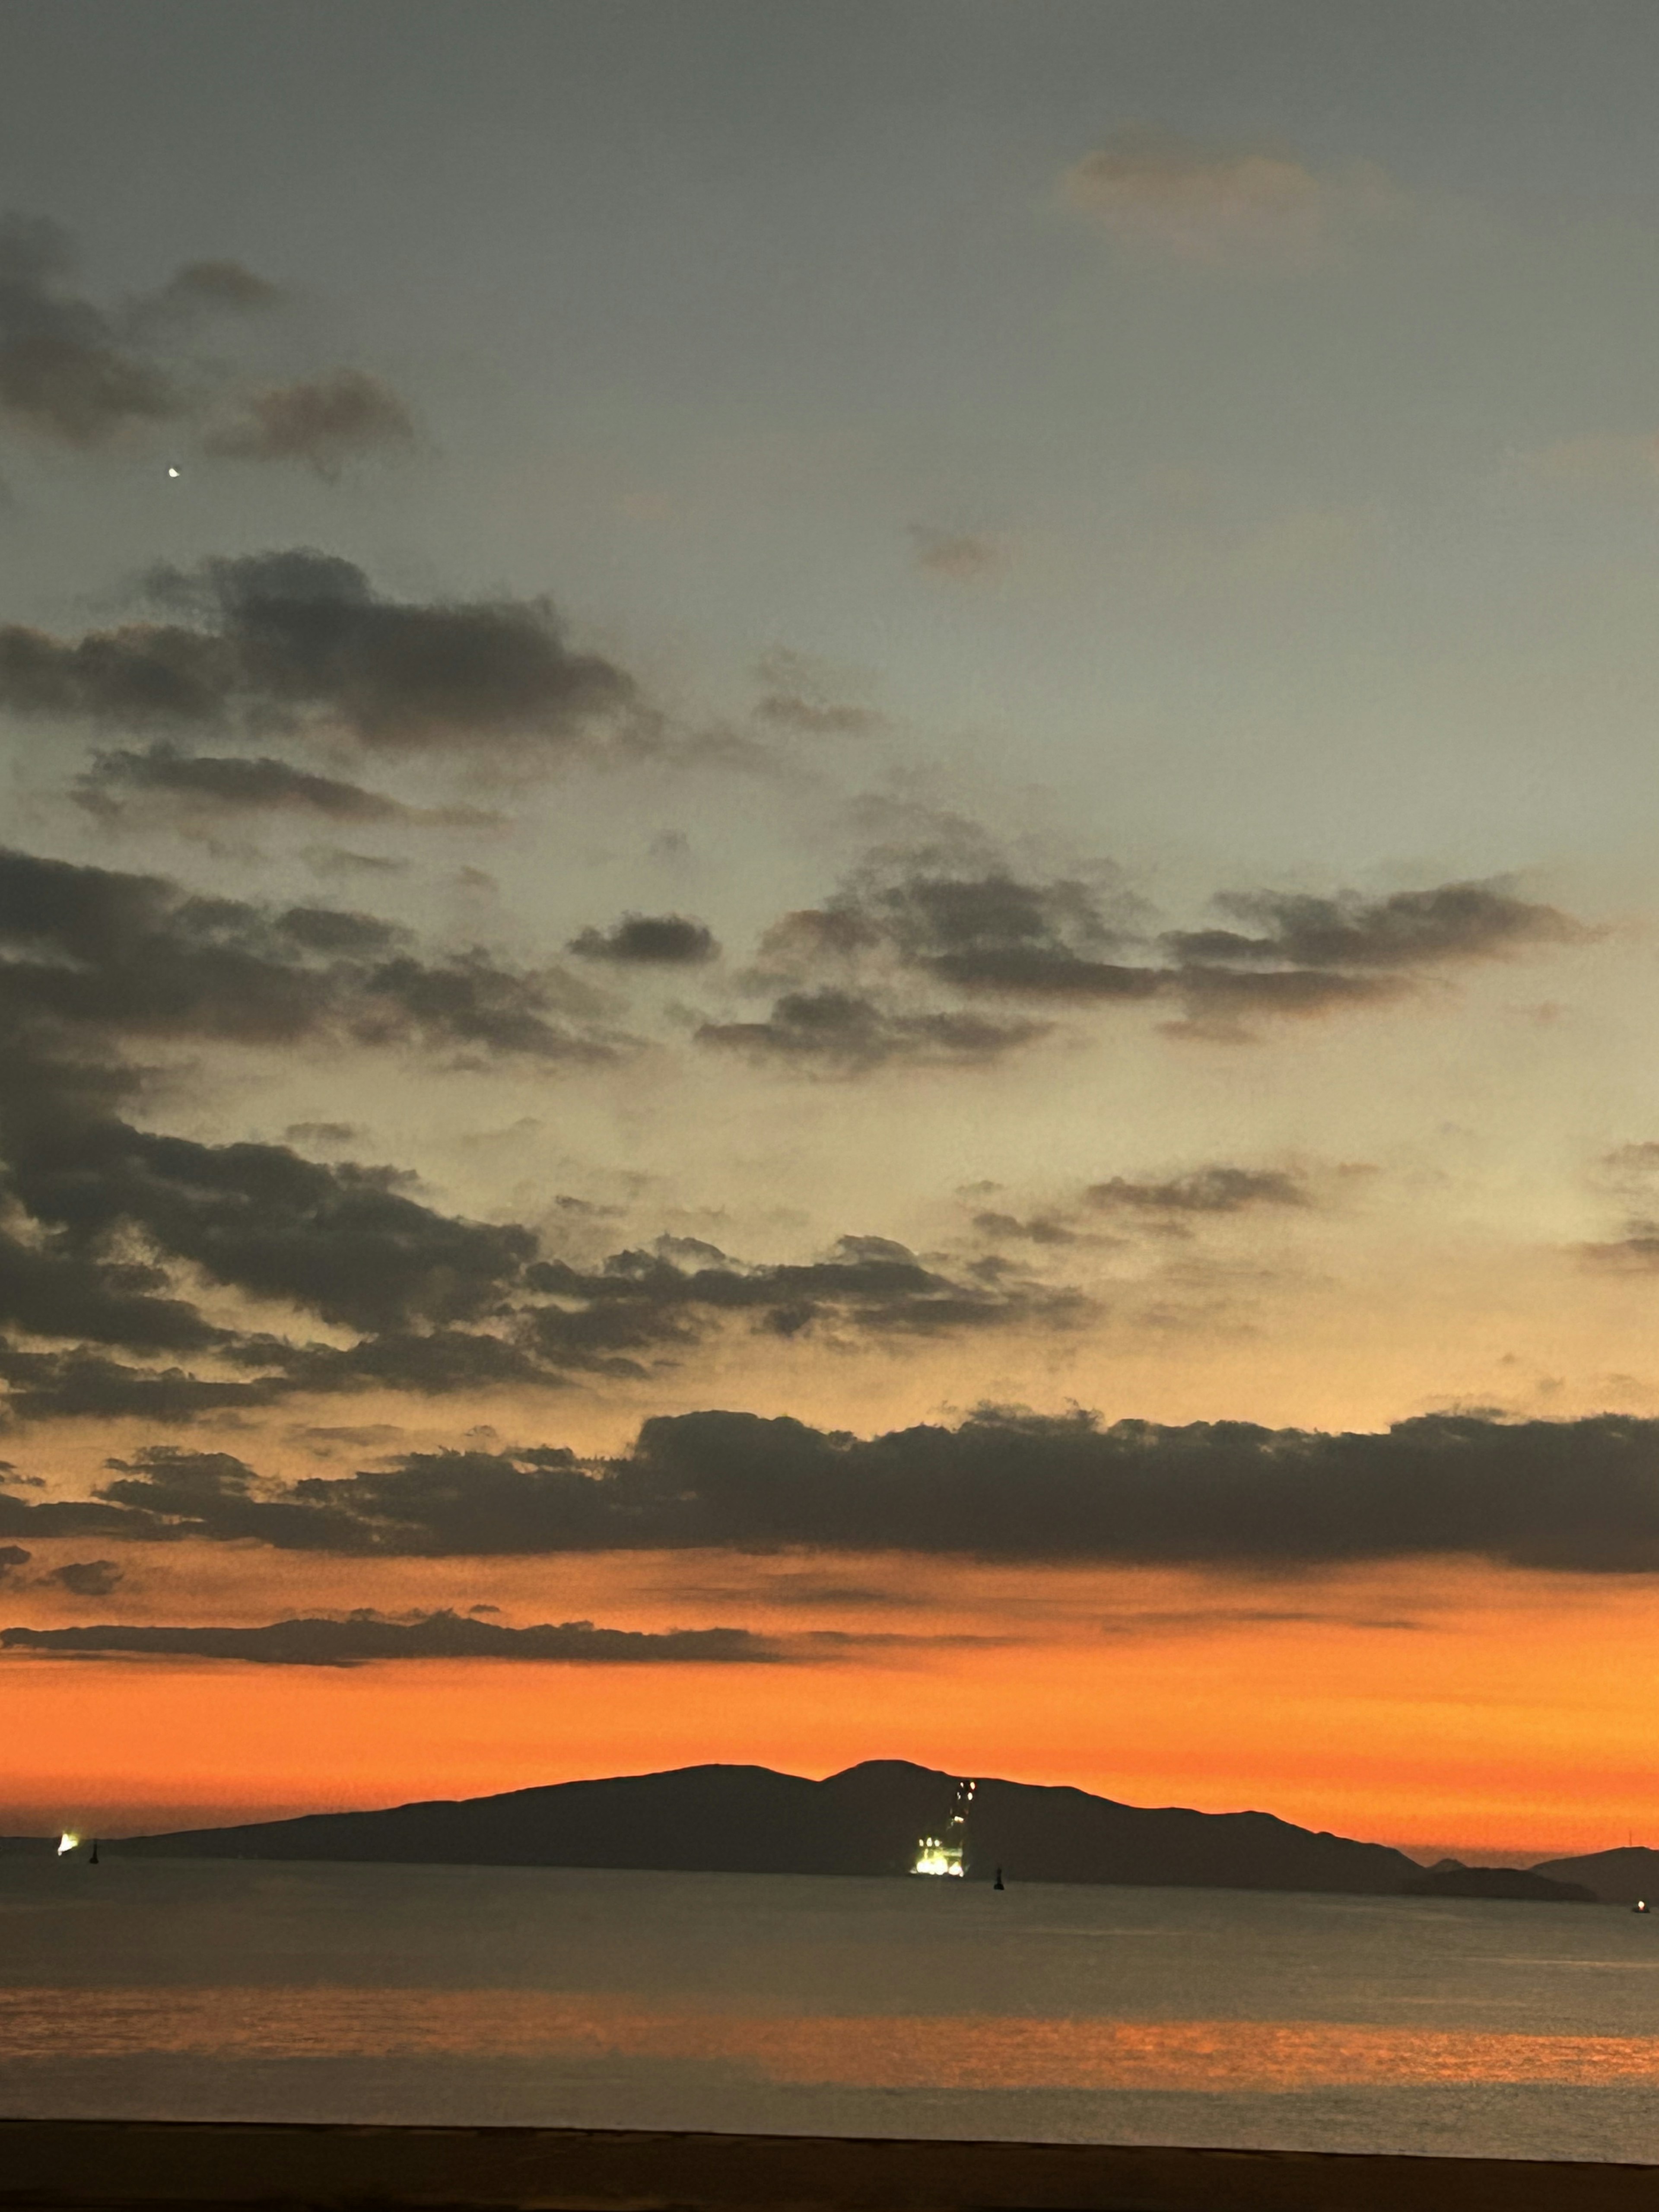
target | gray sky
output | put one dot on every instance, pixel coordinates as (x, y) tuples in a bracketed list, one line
[(978, 678)]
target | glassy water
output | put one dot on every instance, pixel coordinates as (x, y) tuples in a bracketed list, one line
[(557, 1996)]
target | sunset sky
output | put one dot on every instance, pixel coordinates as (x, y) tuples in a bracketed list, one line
[(827, 926)]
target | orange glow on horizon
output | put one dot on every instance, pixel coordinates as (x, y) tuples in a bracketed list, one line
[(1497, 1718)]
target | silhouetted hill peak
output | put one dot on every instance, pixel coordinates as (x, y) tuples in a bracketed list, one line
[(865, 1820)]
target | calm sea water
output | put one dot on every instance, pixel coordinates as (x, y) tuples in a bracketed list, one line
[(555, 1996)]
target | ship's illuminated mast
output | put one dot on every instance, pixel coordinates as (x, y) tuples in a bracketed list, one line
[(942, 1855)]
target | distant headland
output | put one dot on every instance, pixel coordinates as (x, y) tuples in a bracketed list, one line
[(871, 1819)]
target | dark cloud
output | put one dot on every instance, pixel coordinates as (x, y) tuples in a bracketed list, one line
[(47, 1517), (869, 1285), (239, 783), (847, 1033), (649, 940), (67, 370), (127, 1253), (13, 1556), (433, 1362), (104, 955), (112, 1236), (994, 932), (323, 421), (1216, 1189), (363, 1637), (471, 1000), (1222, 1002), (1408, 929), (80, 393), (855, 973), (1039, 1230), (49, 1385), (1045, 972), (81, 375), (1636, 1251), (49, 1290), (987, 932), (1569, 1497), (341, 1240), (85, 1577), (301, 640)]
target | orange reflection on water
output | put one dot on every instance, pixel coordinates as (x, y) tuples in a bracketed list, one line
[(898, 2052)]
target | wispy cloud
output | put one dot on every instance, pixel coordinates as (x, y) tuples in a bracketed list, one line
[(322, 420), (76, 374), (1162, 197)]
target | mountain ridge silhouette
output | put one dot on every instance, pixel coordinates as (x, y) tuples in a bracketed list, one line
[(865, 1820)]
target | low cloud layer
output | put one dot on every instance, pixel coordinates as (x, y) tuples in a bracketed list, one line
[(301, 641), (364, 1637), (1579, 1497)]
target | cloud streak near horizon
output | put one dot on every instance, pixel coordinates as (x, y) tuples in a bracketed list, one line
[(364, 1638)]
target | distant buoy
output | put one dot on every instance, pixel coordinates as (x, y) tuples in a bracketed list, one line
[(999, 1884)]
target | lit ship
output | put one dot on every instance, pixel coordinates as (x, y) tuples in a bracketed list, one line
[(942, 1855)]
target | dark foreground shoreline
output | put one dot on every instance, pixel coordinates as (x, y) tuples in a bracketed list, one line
[(138, 2166)]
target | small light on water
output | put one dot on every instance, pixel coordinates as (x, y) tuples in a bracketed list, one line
[(66, 1842)]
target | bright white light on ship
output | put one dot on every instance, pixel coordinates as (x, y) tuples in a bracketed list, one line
[(66, 1842), (934, 1858)]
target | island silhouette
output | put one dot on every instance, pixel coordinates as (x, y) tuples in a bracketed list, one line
[(869, 1819)]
